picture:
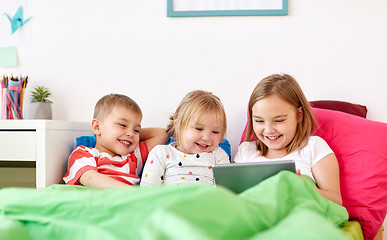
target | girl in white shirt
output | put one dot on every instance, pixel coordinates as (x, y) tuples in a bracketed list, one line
[(199, 124), (281, 123)]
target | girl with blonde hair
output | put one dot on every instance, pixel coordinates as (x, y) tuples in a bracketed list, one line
[(198, 124)]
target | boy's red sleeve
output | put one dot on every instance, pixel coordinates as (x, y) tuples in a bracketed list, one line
[(143, 151), (80, 161)]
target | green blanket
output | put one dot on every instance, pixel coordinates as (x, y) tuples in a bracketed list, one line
[(282, 207)]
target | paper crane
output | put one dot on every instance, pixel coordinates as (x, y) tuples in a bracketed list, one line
[(17, 20)]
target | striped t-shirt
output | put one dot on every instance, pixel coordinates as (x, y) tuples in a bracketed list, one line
[(125, 169)]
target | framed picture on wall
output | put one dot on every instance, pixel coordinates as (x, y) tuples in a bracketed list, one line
[(205, 8)]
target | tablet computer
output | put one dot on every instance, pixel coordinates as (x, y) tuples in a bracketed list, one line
[(240, 176)]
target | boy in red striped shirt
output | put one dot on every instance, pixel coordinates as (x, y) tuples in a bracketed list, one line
[(121, 146)]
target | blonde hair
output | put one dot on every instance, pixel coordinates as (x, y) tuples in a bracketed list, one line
[(285, 87), (108, 102), (192, 108)]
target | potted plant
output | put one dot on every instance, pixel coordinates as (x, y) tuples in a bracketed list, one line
[(40, 104)]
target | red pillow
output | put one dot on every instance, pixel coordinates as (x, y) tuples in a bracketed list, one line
[(361, 149), (346, 107)]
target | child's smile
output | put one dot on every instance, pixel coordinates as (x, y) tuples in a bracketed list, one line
[(203, 147), (273, 137), (125, 142)]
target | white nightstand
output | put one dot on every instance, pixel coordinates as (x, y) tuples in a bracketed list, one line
[(41, 145)]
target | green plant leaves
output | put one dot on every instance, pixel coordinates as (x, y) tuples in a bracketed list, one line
[(41, 94)]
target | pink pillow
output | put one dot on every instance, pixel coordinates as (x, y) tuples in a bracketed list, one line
[(361, 148)]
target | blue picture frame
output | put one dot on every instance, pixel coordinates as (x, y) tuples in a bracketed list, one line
[(212, 13)]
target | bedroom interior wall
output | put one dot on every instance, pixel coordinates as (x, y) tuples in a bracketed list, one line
[(85, 49)]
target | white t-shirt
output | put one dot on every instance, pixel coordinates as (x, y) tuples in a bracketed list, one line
[(315, 150), (167, 165)]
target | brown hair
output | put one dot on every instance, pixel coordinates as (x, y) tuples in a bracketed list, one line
[(285, 87), (191, 108), (108, 102)]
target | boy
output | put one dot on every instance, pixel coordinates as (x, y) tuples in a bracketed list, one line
[(121, 146)]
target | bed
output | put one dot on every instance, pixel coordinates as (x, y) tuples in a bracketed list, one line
[(281, 207)]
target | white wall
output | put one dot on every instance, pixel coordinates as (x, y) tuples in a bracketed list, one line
[(84, 49)]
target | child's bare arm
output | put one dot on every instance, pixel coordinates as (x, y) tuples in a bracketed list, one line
[(97, 180), (326, 174), (153, 136)]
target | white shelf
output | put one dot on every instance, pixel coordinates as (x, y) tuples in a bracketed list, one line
[(47, 142)]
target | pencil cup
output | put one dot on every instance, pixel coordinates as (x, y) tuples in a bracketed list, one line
[(12, 99)]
